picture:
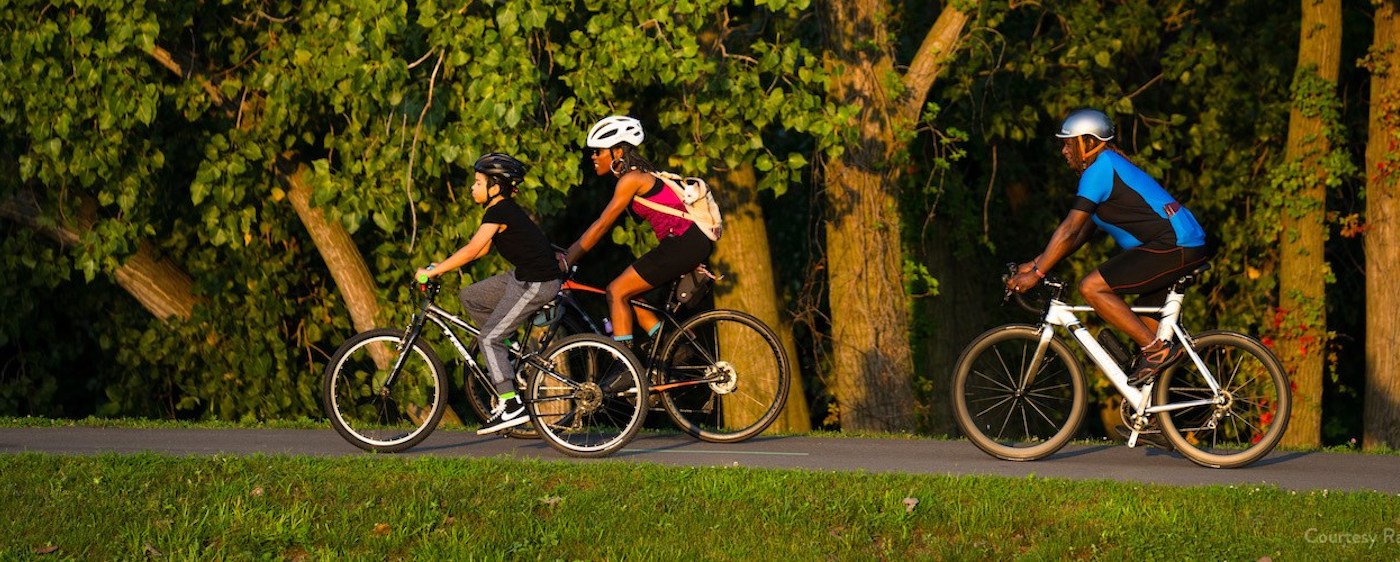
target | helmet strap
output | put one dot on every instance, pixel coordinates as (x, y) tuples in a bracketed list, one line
[(492, 198), (1086, 155)]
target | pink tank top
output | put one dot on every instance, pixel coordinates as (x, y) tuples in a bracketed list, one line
[(661, 223)]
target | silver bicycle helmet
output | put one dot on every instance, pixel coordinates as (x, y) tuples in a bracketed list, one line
[(1090, 122), (612, 131)]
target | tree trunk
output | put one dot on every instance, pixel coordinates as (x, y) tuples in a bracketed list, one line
[(746, 260), (343, 258), (873, 365), (1302, 283), (1382, 418), (161, 287)]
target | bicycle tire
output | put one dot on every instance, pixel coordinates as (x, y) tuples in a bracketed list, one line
[(1249, 424), (377, 419), (588, 397), (482, 396), (1006, 417), (748, 369)]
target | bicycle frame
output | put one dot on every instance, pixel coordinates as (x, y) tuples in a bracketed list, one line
[(431, 312), (667, 320), (1058, 313)]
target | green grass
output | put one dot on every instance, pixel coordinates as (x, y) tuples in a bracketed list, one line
[(397, 508)]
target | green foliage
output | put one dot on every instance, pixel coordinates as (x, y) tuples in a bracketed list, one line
[(386, 105), (1199, 105)]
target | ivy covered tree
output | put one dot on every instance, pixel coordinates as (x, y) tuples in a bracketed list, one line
[(1382, 232), (1313, 161)]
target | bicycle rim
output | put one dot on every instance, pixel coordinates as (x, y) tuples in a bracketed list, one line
[(372, 416), (587, 396), (725, 377), (1254, 415), (1002, 412)]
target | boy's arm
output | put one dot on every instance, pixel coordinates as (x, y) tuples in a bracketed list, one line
[(478, 246)]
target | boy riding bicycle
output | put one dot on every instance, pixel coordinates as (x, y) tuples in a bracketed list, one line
[(498, 305)]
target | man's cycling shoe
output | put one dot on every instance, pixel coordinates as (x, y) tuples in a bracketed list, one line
[(509, 413), (1152, 363), (1152, 436)]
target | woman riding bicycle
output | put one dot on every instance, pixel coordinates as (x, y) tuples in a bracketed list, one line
[(682, 248), (501, 303), (1161, 239)]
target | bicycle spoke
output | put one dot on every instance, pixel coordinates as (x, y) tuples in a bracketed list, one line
[(1254, 392), (989, 379)]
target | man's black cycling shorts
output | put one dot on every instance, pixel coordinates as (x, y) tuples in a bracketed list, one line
[(1150, 272)]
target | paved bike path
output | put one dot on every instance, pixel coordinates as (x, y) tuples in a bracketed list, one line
[(1110, 461)]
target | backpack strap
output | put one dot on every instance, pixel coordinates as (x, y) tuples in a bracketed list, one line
[(662, 208), (670, 184)]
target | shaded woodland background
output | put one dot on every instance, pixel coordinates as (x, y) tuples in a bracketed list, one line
[(203, 199)]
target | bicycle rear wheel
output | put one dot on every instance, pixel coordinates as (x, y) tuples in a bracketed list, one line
[(587, 395), (1010, 410), (1256, 403), (382, 418), (480, 391), (725, 376)]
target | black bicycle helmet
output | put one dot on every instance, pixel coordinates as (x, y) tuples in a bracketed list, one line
[(504, 169)]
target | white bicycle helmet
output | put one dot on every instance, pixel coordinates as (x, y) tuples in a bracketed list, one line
[(1090, 122), (612, 131)]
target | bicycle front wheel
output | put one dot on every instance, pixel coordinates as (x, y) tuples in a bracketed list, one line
[(725, 376), (1012, 403), (372, 412), (587, 395), (1247, 417)]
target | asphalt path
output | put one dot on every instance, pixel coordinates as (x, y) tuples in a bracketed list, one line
[(1109, 461)]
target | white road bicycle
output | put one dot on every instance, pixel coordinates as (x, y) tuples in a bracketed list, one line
[(1019, 392)]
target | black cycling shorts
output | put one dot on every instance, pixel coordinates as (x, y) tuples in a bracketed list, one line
[(1150, 272), (674, 256)]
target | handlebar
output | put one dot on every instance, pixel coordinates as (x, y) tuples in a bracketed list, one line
[(1051, 284)]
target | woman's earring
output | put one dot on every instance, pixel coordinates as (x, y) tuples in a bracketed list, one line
[(617, 167)]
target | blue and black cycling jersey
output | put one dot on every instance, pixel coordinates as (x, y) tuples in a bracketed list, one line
[(1133, 208)]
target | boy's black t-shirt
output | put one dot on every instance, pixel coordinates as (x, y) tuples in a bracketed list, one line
[(522, 243)]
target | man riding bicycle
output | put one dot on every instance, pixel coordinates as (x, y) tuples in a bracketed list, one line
[(1161, 239)]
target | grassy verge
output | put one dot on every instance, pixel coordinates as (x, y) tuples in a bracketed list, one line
[(228, 508)]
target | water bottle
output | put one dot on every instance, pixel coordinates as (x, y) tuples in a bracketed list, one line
[(607, 326)]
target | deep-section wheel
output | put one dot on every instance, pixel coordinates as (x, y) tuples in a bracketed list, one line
[(1012, 402), (1245, 420)]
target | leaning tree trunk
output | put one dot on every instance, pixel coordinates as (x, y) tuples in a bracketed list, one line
[(745, 257), (1302, 283), (1382, 418), (873, 365), (342, 257), (332, 240), (162, 288)]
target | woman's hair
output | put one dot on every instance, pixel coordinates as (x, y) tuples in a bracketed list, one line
[(632, 159)]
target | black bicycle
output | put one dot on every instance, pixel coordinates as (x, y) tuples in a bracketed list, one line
[(720, 375), (385, 389)]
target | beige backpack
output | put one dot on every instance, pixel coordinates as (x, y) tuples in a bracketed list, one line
[(700, 205)]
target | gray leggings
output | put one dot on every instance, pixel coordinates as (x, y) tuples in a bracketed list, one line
[(498, 305)]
